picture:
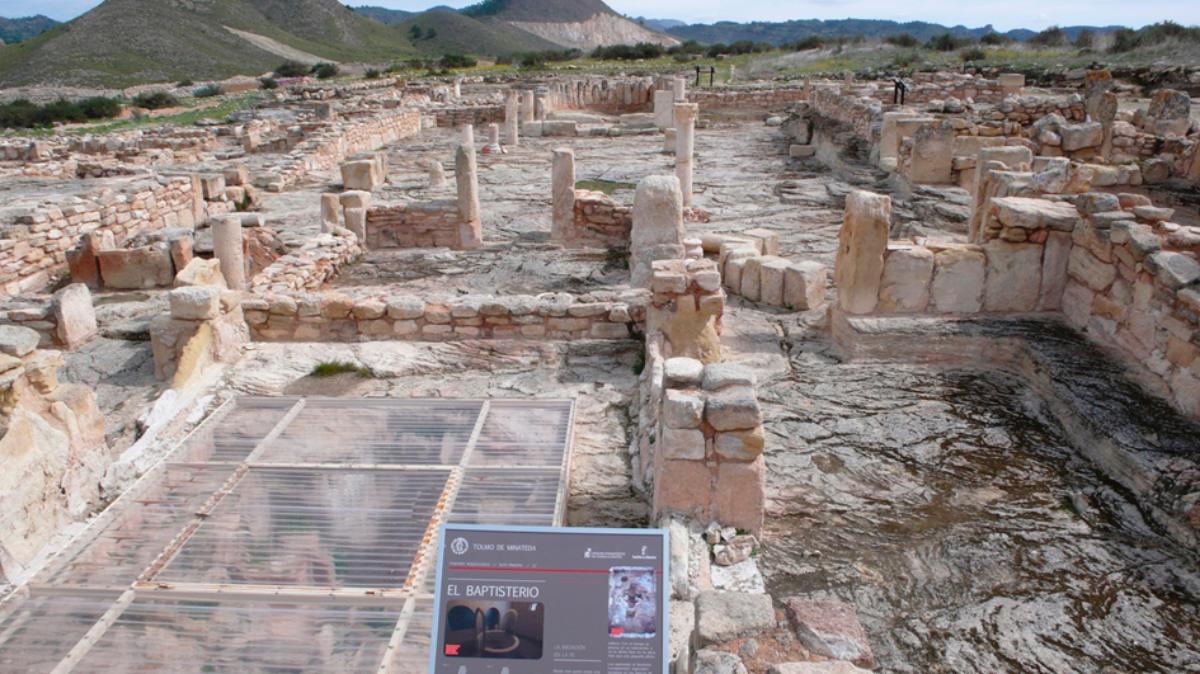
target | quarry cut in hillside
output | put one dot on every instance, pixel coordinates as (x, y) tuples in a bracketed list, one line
[(598, 31)]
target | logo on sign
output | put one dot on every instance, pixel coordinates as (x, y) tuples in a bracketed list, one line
[(459, 546)]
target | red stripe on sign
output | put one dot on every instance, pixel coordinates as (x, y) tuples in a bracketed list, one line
[(489, 569)]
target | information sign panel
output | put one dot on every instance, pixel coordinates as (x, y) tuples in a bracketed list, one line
[(545, 600)]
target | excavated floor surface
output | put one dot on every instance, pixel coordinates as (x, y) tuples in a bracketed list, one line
[(943, 503)]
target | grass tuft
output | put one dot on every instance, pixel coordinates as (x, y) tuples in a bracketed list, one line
[(335, 367)]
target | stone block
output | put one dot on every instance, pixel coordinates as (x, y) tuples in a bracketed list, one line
[(861, 245), (17, 341), (1014, 276), (739, 497), (1093, 272), (718, 376), (771, 280), (137, 268), (725, 616), (739, 445), (688, 491), (683, 372), (682, 409), (905, 285), (682, 443), (201, 272), (75, 316), (195, 303), (830, 629), (751, 287), (804, 285), (361, 174)]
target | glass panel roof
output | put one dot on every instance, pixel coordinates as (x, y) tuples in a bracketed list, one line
[(289, 535)]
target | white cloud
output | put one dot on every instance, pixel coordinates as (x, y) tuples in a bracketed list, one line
[(1003, 14)]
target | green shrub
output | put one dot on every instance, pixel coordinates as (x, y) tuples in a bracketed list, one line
[(268, 83), (414, 33), (1085, 40), (325, 71), (1051, 37), (372, 74), (995, 39), (625, 52), (184, 84), (946, 42), (155, 100), (457, 61), (805, 44), (100, 107), (207, 91), (23, 114), (902, 40), (972, 54), (289, 69)]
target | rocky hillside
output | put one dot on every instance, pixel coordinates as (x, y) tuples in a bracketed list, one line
[(580, 24), (122, 42), (445, 31), (17, 30)]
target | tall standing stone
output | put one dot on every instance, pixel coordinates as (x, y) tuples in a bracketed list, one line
[(680, 89), (539, 106), (664, 109), (493, 135), (229, 249), (932, 158), (563, 181), (512, 118), (75, 316), (329, 212), (468, 135), (685, 146), (471, 228), (657, 232), (526, 106), (437, 175), (862, 242)]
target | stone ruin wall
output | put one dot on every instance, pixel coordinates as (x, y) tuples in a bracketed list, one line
[(54, 447), (1048, 125), (699, 441), (1111, 265), (429, 224), (325, 149), (598, 220), (335, 317), (747, 97), (33, 250), (311, 265)]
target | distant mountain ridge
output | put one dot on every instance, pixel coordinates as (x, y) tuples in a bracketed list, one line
[(577, 24), (778, 32), (383, 14), (23, 28)]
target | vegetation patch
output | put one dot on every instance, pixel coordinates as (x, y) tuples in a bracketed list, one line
[(605, 186), (24, 114), (335, 367), (156, 100)]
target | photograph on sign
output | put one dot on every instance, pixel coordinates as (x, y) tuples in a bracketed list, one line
[(541, 600)]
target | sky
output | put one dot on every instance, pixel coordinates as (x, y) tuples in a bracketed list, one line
[(1003, 14)]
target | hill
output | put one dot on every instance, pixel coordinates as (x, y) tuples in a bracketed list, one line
[(122, 42), (778, 32), (383, 14), (18, 30), (580, 24), (455, 33)]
